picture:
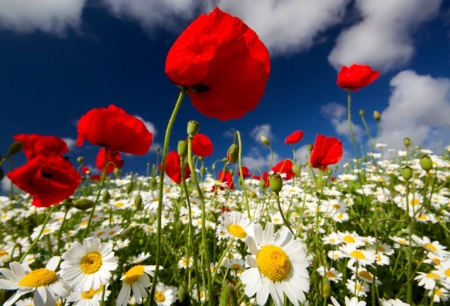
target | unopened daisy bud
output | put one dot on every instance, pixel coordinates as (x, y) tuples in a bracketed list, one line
[(376, 115), (407, 142), (362, 112), (265, 140), (192, 128), (233, 153), (310, 147), (117, 172), (80, 159), (296, 169), (83, 204), (138, 201), (275, 182), (213, 166), (325, 287), (426, 163), (15, 148), (182, 148), (407, 173)]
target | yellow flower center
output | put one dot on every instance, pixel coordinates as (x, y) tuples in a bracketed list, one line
[(330, 274), (358, 254), (235, 266), (332, 240), (365, 275), (39, 278), (273, 263), (133, 274), (237, 231), (119, 204), (437, 261), (402, 241), (432, 275), (99, 234), (381, 249), (414, 202), (91, 263), (46, 230), (349, 239), (336, 206), (3, 252), (430, 247), (447, 272), (438, 292), (88, 294), (423, 217), (159, 297)]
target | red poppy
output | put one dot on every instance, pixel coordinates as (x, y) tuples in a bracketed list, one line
[(113, 128), (356, 77), (294, 137), (222, 63), (173, 167), (202, 145), (85, 170), (326, 151), (34, 145), (224, 177), (114, 160), (284, 168), (49, 179), (245, 172)]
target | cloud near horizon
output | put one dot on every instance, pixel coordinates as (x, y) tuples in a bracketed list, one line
[(337, 114)]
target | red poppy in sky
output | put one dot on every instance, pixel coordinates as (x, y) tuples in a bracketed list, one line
[(173, 167), (113, 128), (34, 145), (114, 160), (326, 151), (356, 77), (245, 172), (222, 63), (202, 145), (49, 179), (294, 137), (284, 168)]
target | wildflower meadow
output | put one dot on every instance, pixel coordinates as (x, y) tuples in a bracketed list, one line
[(373, 231)]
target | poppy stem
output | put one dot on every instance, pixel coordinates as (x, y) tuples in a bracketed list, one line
[(349, 115), (161, 190)]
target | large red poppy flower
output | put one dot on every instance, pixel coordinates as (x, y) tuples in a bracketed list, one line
[(294, 137), (113, 128), (356, 77), (326, 151), (284, 168), (114, 160), (49, 179), (173, 167), (34, 145), (202, 145), (222, 63)]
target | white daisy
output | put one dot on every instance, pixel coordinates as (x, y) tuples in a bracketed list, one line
[(277, 266), (44, 282), (164, 295), (136, 280), (353, 302), (428, 280), (88, 265), (235, 225), (88, 298)]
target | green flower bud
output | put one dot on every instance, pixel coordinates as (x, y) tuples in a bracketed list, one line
[(324, 287), (233, 153), (80, 159), (407, 142), (117, 172), (182, 292), (265, 140), (426, 163), (329, 171), (262, 185), (83, 204), (202, 170), (213, 166), (407, 173), (319, 183), (182, 148), (106, 196), (376, 115), (192, 128), (138, 201), (231, 172), (15, 148), (310, 147), (276, 183), (296, 169), (130, 187), (362, 112), (153, 183)]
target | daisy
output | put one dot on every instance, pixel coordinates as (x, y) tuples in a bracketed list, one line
[(164, 295), (353, 302), (235, 225), (393, 302), (434, 246), (357, 288), (88, 265), (427, 280), (277, 266), (135, 279), (140, 258), (439, 294), (363, 257), (331, 273), (89, 298), (185, 262), (44, 282)]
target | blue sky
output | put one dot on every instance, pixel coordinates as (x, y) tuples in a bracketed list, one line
[(59, 59)]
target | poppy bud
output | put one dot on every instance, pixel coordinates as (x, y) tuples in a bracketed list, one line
[(265, 140), (213, 166), (376, 115), (153, 183), (2, 174), (80, 159), (182, 292), (426, 163), (325, 287), (231, 172), (262, 185), (138, 201), (130, 187), (362, 112), (83, 204), (202, 170), (407, 142), (15, 148), (106, 196), (296, 169), (276, 183), (225, 160), (117, 172), (407, 173), (310, 147), (192, 128), (233, 153), (182, 148)]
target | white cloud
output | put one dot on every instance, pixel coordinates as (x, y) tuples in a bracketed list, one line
[(302, 154), (70, 142), (337, 114), (229, 133), (5, 186), (150, 126), (419, 108), (50, 16), (262, 130), (383, 39), (255, 160)]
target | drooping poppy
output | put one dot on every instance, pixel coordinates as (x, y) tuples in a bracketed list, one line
[(35, 144), (114, 160), (222, 63), (113, 128), (356, 77), (294, 137), (326, 151), (284, 168), (173, 167), (202, 145), (49, 179)]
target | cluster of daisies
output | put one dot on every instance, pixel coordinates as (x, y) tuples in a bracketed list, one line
[(344, 242)]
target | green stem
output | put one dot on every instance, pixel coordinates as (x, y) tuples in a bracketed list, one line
[(350, 125), (238, 135), (368, 133), (282, 215)]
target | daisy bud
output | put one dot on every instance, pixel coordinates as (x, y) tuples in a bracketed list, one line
[(296, 169), (376, 115), (325, 287), (83, 204), (426, 163), (407, 142), (106, 196), (407, 173), (276, 183), (192, 128), (329, 171), (362, 112), (182, 148), (80, 159), (15, 148), (233, 153), (265, 140)]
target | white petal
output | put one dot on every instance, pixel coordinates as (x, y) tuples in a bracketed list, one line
[(8, 285), (53, 263)]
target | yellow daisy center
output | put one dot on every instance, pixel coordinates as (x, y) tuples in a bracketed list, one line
[(38, 278), (336, 206), (432, 275), (447, 272), (381, 249), (332, 240), (438, 292), (46, 230), (358, 254), (133, 274), (330, 274), (430, 247), (423, 217), (349, 239), (273, 263), (88, 294), (235, 266), (365, 275), (438, 262), (3, 252), (237, 231), (91, 263), (414, 202), (119, 204), (159, 297)]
